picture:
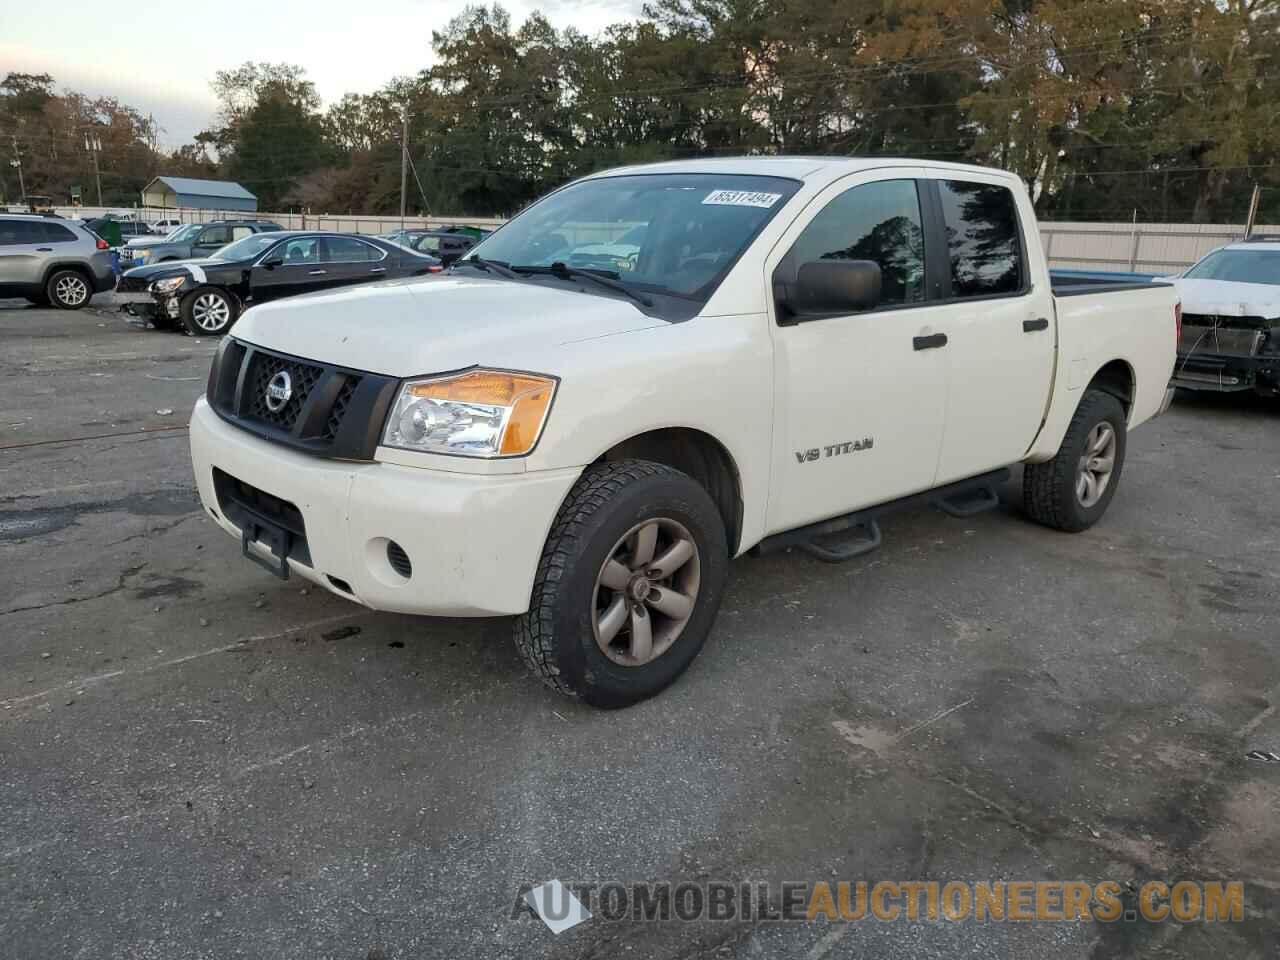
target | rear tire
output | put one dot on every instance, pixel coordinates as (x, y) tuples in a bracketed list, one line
[(1072, 491), (68, 289), (619, 525), (208, 312)]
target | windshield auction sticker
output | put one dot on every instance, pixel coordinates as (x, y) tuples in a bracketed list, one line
[(742, 198)]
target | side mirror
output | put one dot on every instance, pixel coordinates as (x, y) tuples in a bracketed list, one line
[(834, 287), (273, 263)]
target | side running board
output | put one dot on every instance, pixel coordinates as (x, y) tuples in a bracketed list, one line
[(858, 533)]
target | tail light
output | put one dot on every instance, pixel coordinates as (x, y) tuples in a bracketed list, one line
[(435, 269), (102, 244), (1177, 320)]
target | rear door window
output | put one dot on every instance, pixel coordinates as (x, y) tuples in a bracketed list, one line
[(349, 250), (56, 233), (983, 239)]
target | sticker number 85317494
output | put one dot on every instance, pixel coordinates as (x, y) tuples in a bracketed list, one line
[(742, 198)]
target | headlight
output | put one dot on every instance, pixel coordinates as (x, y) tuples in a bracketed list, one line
[(168, 285), (141, 256), (483, 413)]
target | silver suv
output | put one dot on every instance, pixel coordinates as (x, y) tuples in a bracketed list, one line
[(52, 262)]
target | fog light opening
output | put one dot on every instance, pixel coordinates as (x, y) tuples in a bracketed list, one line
[(399, 560), (340, 584)]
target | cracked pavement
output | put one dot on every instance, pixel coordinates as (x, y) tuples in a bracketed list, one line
[(197, 760)]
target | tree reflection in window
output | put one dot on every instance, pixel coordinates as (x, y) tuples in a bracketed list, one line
[(878, 222), (982, 238)]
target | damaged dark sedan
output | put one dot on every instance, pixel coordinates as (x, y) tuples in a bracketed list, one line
[(205, 297)]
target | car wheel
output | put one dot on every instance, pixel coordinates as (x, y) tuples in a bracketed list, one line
[(1071, 492), (628, 586), (68, 289), (208, 312)]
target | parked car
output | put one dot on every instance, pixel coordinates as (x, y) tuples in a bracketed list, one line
[(52, 262), (196, 240), (436, 243), (206, 296), (803, 345), (1231, 320), (166, 226)]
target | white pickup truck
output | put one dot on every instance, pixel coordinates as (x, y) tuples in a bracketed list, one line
[(582, 433)]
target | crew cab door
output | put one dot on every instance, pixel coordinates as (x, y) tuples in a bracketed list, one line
[(999, 324), (859, 399)]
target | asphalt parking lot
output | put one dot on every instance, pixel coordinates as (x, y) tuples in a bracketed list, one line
[(197, 760)]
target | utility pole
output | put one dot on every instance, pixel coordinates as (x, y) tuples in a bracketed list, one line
[(1253, 211), (94, 146), (404, 160), (17, 162)]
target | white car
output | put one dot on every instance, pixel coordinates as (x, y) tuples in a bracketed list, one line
[(1231, 320), (802, 345), (165, 227)]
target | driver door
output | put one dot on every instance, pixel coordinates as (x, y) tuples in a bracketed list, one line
[(859, 398), (288, 268)]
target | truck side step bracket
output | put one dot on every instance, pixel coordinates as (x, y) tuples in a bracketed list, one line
[(979, 501), (839, 547), (827, 539)]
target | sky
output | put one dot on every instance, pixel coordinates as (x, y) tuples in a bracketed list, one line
[(345, 47)]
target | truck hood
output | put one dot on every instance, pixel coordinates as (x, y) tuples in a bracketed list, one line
[(405, 328), (1227, 298), (144, 241)]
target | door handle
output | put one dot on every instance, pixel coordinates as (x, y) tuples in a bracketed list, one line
[(930, 343), (44, 249), (316, 273), (378, 270), (1031, 326)]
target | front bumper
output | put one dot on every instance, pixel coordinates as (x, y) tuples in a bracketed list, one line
[(474, 540), (1224, 372)]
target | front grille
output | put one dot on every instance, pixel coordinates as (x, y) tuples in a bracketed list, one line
[(340, 404), (331, 411), (303, 378)]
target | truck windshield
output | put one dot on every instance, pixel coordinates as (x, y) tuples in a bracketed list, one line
[(183, 233), (1239, 266), (671, 234)]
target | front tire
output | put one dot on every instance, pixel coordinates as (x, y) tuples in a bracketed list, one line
[(1072, 491), (208, 312), (629, 584), (68, 289)]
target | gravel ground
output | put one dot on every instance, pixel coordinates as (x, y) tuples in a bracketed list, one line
[(197, 760)]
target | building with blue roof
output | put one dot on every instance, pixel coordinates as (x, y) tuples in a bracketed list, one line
[(188, 193)]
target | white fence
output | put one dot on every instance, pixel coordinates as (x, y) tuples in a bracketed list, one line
[(1158, 248)]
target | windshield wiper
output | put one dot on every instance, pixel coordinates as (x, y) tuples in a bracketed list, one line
[(488, 266), (606, 278)]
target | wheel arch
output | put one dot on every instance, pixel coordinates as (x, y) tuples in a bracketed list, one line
[(76, 265), (1117, 378), (701, 456)]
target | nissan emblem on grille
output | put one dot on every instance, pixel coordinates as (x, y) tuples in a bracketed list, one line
[(279, 390)]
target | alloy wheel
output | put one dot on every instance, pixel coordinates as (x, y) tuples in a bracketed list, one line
[(646, 592), (1097, 464), (210, 312), (71, 290)]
